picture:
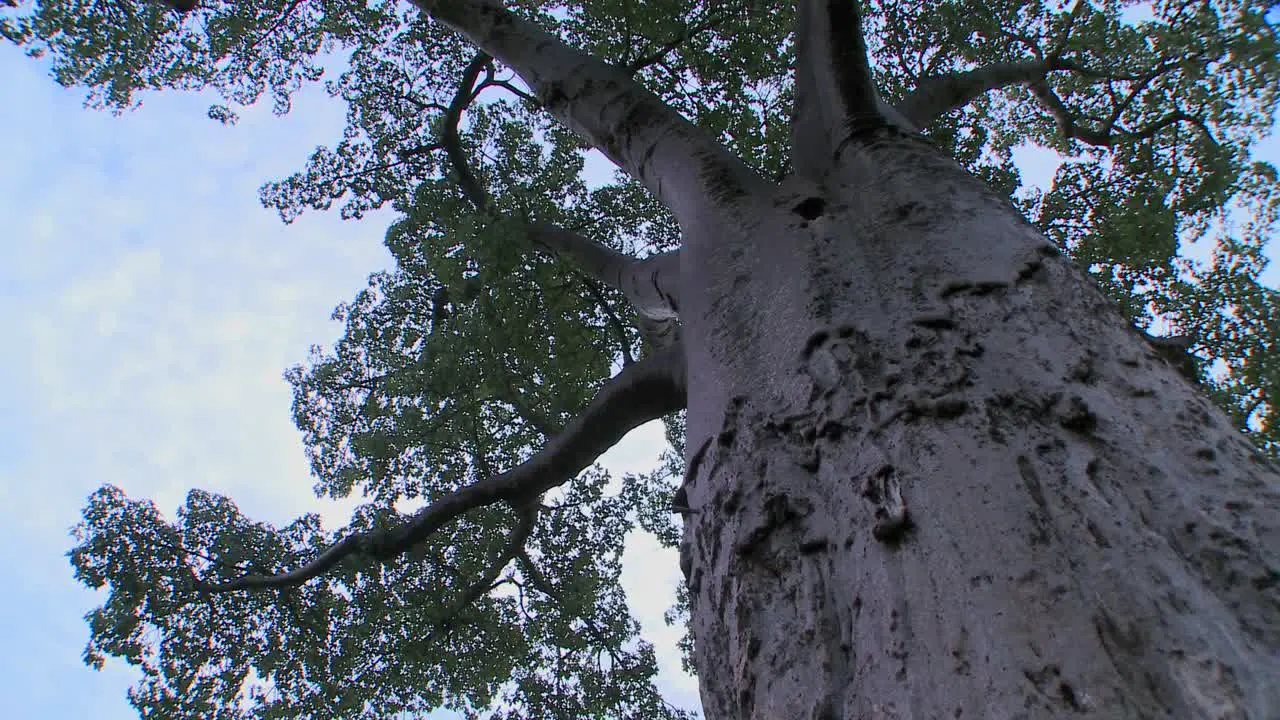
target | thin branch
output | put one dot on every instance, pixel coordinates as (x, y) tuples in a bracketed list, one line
[(615, 323), (643, 391), (452, 141), (666, 48), (506, 85), (540, 422), (1060, 46), (420, 104), (544, 586), (486, 583), (1109, 135), (417, 150), (269, 31), (405, 157), (1139, 84), (184, 550)]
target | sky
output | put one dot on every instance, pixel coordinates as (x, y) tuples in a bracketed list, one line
[(149, 306)]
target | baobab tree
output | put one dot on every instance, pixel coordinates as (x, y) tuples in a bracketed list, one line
[(930, 467)]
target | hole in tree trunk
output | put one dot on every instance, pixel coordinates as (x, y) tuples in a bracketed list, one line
[(810, 208)]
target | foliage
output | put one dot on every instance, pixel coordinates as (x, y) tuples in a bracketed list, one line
[(463, 357)]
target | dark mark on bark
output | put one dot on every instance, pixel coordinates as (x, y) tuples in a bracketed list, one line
[(813, 343), (1077, 416), (985, 287), (892, 521), (904, 211), (1040, 517), (1083, 370), (935, 321), (812, 546), (1030, 270), (810, 208)]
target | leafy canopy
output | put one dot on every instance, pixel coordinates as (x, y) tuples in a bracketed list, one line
[(460, 360)]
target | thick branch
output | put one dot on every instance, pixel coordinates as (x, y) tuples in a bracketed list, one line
[(836, 97), (940, 94), (676, 160), (651, 285), (643, 391)]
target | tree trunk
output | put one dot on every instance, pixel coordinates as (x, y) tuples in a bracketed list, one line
[(934, 474)]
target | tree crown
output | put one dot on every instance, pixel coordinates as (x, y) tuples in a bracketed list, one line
[(458, 364)]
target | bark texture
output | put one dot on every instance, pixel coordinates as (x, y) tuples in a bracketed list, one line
[(934, 474)]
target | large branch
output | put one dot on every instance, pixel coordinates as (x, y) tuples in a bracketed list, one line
[(836, 98), (651, 285), (940, 94), (643, 391), (675, 159)]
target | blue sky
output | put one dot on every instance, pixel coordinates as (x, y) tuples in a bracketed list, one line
[(149, 306)]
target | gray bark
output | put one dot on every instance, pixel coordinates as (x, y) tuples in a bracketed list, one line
[(934, 474)]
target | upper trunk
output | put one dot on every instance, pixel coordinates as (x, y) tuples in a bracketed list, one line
[(935, 474), (679, 163)]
